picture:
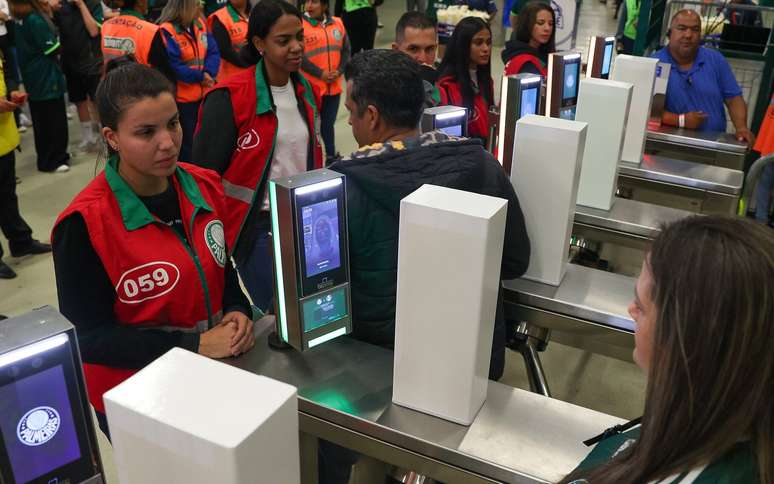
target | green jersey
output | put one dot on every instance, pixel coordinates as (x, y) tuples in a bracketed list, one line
[(36, 44), (738, 465)]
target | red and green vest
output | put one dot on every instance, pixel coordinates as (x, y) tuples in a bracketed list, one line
[(245, 179), (162, 281), (478, 117)]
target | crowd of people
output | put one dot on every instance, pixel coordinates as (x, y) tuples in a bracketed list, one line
[(197, 114)]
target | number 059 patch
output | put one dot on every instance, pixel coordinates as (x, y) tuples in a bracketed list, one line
[(147, 281)]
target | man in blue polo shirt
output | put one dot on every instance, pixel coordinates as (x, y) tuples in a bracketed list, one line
[(700, 82)]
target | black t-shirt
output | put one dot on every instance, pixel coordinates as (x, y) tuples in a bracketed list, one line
[(81, 53), (166, 207)]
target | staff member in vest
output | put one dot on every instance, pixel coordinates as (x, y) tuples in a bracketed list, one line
[(465, 74), (703, 312), (195, 60), (229, 28), (12, 224), (533, 39), (129, 33), (37, 45), (255, 126), (140, 256), (701, 83), (326, 55), (360, 19)]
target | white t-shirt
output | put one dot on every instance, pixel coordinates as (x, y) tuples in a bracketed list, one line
[(291, 148), (4, 8)]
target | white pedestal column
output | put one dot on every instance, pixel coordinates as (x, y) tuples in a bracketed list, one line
[(604, 106), (188, 418), (640, 71), (546, 170), (449, 257)]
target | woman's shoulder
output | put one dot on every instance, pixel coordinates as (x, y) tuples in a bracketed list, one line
[(738, 465)]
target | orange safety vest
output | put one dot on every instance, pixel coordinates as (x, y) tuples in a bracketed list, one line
[(765, 142), (236, 25), (323, 42), (193, 50), (128, 33)]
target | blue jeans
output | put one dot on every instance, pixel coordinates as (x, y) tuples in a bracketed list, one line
[(257, 272), (763, 193), (328, 112)]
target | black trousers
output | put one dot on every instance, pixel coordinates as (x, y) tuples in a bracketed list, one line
[(12, 224), (361, 25), (49, 124)]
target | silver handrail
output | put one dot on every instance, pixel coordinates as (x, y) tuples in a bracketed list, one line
[(751, 181)]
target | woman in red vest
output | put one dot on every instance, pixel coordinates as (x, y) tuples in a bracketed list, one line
[(255, 126), (229, 29), (465, 74), (140, 255), (326, 56), (195, 60), (533, 39)]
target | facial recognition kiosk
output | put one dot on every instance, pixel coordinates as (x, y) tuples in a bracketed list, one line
[(311, 258), (659, 94), (519, 96), (562, 85), (600, 61), (46, 425), (452, 120)]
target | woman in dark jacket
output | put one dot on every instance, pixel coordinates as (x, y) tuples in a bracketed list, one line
[(533, 39)]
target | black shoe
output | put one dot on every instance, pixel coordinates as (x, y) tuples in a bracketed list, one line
[(32, 248), (5, 271)]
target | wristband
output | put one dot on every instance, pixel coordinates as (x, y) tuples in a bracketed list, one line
[(681, 121)]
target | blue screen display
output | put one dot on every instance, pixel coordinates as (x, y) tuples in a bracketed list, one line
[(607, 59), (529, 101), (454, 130), (571, 71), (321, 236), (37, 424)]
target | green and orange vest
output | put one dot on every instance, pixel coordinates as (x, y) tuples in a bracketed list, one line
[(128, 33), (193, 51), (323, 42)]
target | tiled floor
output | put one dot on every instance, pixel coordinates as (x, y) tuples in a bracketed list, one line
[(592, 381)]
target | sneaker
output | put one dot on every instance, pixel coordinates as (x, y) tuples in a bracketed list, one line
[(22, 129), (24, 121), (62, 169)]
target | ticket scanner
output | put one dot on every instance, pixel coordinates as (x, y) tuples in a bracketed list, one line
[(600, 61), (519, 96), (452, 120), (45, 419), (562, 85), (311, 258)]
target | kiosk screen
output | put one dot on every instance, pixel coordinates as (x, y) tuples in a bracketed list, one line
[(529, 100), (44, 433), (321, 237), (325, 308), (455, 130), (321, 220), (570, 90), (607, 60)]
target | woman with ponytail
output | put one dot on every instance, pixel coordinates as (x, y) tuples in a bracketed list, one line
[(140, 258)]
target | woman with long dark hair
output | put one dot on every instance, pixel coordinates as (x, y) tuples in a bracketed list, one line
[(465, 74), (257, 125), (704, 323), (533, 39)]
